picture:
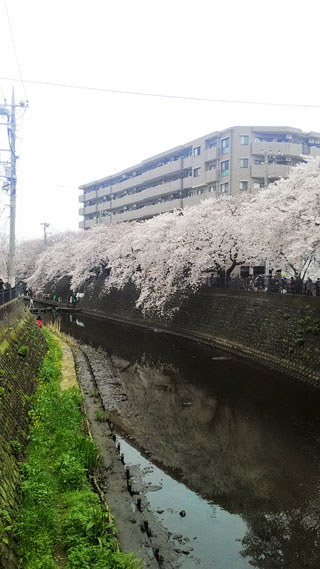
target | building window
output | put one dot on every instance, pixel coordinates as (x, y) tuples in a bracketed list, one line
[(212, 188), (243, 185), (258, 162), (224, 188), (225, 145), (244, 162), (212, 166), (190, 194), (225, 168), (196, 151), (258, 185), (212, 143), (244, 139), (196, 172), (200, 192)]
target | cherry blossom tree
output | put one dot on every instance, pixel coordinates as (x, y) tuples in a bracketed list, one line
[(168, 254)]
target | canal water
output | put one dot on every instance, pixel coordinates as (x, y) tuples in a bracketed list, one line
[(226, 452)]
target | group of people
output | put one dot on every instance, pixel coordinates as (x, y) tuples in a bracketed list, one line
[(71, 301), (267, 283)]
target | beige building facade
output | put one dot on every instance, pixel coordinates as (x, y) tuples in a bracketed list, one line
[(240, 159)]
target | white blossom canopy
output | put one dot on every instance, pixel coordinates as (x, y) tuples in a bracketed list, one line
[(169, 253)]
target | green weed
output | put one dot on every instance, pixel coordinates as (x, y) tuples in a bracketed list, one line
[(23, 351), (59, 511), (101, 416), (16, 447)]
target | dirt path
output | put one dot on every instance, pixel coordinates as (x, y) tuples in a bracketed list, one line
[(69, 378)]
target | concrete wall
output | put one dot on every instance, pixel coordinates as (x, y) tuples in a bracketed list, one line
[(281, 331), (17, 384)]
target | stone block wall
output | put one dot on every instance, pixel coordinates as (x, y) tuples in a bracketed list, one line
[(282, 331), (22, 347)]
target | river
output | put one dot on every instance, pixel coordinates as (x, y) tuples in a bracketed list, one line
[(227, 452)]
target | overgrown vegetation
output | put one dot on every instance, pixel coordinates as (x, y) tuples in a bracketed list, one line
[(101, 416), (61, 522)]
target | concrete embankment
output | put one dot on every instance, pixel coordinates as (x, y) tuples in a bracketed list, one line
[(22, 348), (281, 331)]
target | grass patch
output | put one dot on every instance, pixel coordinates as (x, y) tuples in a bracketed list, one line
[(101, 416), (59, 513)]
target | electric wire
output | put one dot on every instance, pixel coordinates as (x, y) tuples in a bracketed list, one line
[(14, 49), (164, 96)]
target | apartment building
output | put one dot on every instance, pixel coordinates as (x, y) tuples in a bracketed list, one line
[(240, 159)]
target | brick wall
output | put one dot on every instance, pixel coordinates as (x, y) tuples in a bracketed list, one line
[(18, 372)]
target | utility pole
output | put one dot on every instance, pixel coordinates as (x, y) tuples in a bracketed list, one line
[(45, 225), (9, 111), (13, 186)]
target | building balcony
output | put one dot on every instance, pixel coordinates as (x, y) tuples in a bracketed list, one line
[(211, 176), (87, 223), (205, 178), (81, 198), (314, 151), (90, 196), (147, 194), (101, 192), (211, 154), (277, 148), (104, 206), (147, 211), (167, 169), (81, 211), (90, 209), (81, 224), (273, 171)]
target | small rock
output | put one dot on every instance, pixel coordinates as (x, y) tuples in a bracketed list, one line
[(182, 513)]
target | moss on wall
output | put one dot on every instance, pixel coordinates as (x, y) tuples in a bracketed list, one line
[(22, 347)]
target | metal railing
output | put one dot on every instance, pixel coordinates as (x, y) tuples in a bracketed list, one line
[(7, 294), (266, 284)]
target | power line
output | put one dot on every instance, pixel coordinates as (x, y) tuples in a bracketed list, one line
[(62, 186), (164, 96), (14, 49)]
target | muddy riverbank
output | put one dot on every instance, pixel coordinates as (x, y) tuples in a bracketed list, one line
[(138, 531)]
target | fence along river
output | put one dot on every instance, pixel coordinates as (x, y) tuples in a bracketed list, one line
[(228, 453)]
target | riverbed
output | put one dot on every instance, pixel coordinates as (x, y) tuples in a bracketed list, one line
[(224, 453)]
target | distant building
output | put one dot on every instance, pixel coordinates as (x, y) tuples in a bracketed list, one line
[(238, 159)]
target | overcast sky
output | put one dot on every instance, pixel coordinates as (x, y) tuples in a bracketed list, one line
[(248, 51)]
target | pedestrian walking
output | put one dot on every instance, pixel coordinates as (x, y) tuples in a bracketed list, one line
[(308, 288), (39, 321)]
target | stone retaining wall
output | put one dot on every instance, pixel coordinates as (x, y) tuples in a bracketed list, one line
[(22, 347), (282, 331)]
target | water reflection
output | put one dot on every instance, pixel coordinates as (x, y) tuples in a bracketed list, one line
[(237, 435)]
